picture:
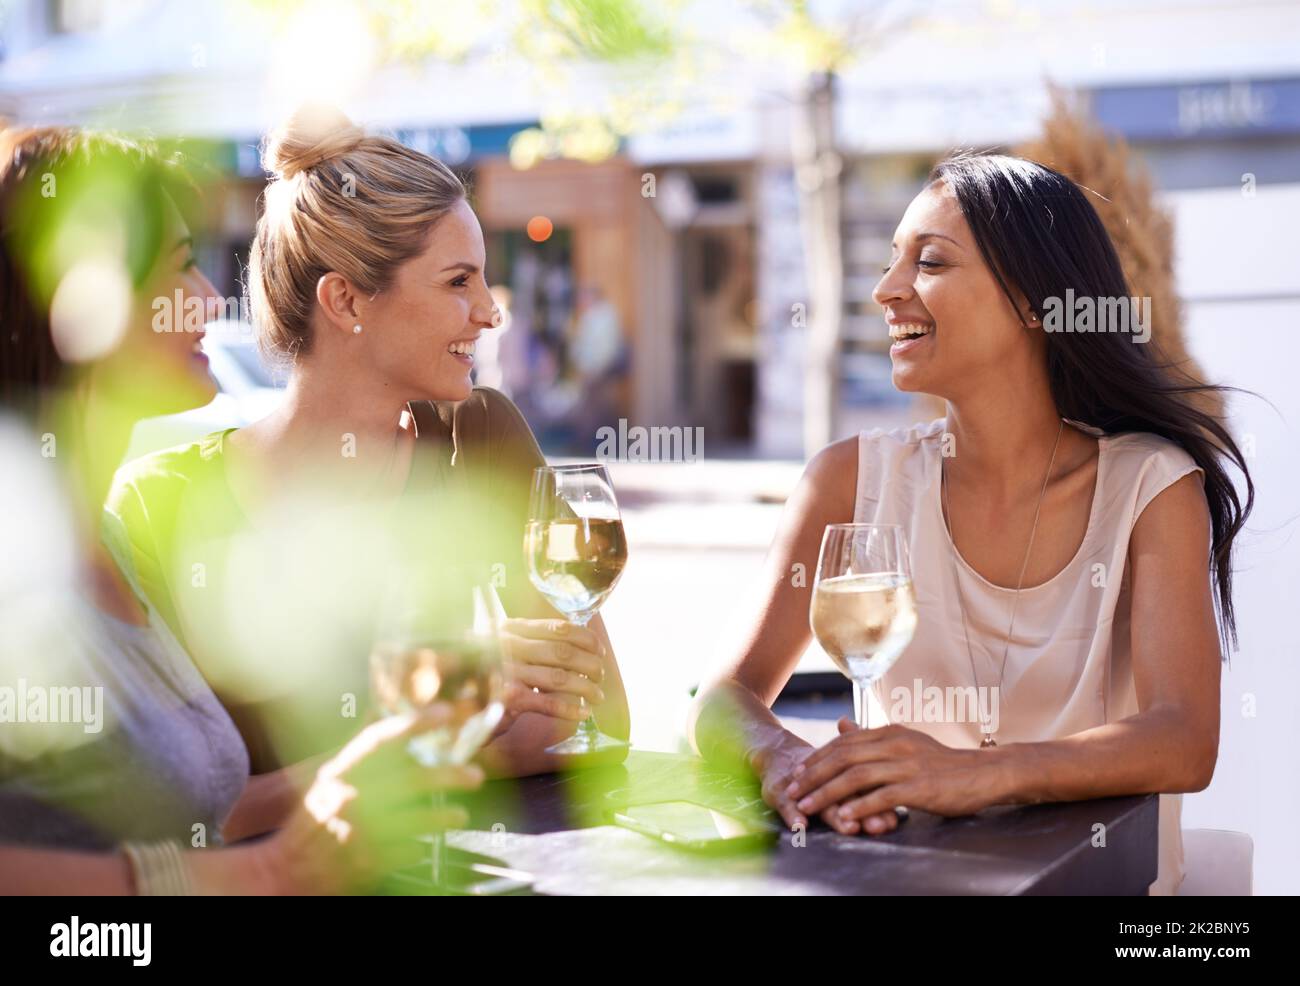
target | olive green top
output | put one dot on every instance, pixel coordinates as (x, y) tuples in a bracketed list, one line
[(278, 609)]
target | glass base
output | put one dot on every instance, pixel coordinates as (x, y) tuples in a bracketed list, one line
[(588, 740), (464, 874)]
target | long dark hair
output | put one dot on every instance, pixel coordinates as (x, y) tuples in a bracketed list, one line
[(1040, 235)]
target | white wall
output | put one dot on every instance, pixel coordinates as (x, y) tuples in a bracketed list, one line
[(1239, 273)]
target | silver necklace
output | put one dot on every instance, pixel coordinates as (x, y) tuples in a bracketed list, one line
[(988, 740)]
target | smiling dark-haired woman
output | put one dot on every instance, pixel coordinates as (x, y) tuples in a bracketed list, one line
[(1070, 523)]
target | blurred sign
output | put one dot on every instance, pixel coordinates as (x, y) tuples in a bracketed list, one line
[(451, 145), (456, 145), (1211, 109), (675, 199), (696, 136)]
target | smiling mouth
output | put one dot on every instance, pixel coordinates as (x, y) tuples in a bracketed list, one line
[(463, 350), (908, 331)]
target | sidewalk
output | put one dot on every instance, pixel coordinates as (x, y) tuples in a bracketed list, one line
[(697, 537)]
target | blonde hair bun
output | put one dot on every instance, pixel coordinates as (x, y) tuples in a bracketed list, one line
[(313, 135)]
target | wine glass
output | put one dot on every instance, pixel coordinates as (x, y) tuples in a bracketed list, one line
[(437, 653), (576, 552), (863, 610)]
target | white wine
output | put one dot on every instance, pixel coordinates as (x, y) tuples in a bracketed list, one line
[(864, 621), (458, 683), (575, 561)]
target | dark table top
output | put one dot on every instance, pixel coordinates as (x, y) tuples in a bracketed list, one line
[(557, 827)]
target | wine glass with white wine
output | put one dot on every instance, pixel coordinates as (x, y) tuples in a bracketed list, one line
[(863, 610), (576, 552), (437, 654)]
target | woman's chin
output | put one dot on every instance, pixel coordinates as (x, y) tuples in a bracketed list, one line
[(198, 394), (194, 389), (205, 388), (455, 389), (156, 390), (905, 380)]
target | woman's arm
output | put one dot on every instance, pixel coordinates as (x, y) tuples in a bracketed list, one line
[(1170, 745), (268, 799), (360, 819), (60, 873), (731, 721)]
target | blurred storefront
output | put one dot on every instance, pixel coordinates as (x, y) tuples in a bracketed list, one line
[(564, 242), (687, 244), (1211, 145)]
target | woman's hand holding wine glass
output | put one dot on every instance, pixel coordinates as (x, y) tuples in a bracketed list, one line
[(863, 613), (553, 668), (437, 656), (364, 814), (576, 551)]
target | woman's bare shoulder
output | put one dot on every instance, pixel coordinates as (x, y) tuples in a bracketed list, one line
[(834, 459), (831, 475), (492, 412)]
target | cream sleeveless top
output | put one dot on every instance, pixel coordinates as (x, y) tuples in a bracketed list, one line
[(1069, 664)]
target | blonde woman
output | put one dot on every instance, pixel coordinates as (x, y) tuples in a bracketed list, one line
[(367, 283)]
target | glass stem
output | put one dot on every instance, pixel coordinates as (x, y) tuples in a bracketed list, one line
[(861, 708), (587, 729), (438, 861)]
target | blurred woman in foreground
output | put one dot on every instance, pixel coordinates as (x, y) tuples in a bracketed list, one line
[(122, 772)]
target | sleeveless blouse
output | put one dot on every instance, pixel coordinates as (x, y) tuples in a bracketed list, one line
[(1069, 667)]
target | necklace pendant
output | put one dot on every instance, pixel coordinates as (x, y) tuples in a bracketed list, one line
[(987, 741)]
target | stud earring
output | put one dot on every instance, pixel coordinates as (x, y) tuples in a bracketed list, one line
[(356, 329)]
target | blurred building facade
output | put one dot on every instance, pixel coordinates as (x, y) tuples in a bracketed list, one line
[(691, 233)]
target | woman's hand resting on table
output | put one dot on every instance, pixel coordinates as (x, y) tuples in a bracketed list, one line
[(863, 774), (777, 773), (553, 668)]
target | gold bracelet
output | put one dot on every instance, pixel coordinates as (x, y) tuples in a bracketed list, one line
[(158, 869)]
